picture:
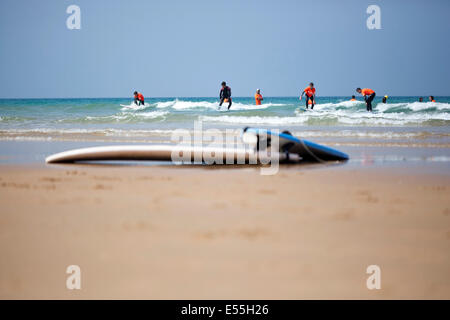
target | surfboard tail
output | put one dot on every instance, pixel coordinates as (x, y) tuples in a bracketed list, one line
[(307, 150)]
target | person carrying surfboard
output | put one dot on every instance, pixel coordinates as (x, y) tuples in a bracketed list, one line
[(310, 93), (225, 95), (138, 98), (258, 97), (368, 94)]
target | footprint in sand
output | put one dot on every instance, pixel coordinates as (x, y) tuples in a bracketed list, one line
[(252, 234), (137, 226), (75, 172), (439, 188), (345, 215), (15, 185), (267, 191), (246, 233), (49, 187), (105, 178), (219, 205), (210, 235), (145, 178), (367, 196), (51, 179), (102, 187)]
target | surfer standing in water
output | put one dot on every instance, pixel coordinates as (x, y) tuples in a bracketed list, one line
[(368, 94), (258, 97), (138, 98), (225, 95), (310, 92)]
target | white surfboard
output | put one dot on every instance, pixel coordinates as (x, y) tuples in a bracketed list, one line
[(174, 153), (286, 148)]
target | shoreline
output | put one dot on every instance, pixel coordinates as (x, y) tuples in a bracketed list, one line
[(363, 155)]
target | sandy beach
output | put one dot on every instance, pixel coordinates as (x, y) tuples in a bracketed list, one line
[(334, 115), (162, 232)]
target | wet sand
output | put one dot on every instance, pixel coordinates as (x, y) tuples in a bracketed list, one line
[(208, 233)]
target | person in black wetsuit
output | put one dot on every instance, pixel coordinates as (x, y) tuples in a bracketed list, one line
[(225, 95)]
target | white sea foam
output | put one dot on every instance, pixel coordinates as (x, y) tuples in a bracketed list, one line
[(134, 106), (337, 116), (254, 120), (107, 131), (413, 106), (196, 105), (126, 117)]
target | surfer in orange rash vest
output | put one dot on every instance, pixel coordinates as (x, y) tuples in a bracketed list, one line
[(310, 93), (368, 94), (258, 97), (138, 98)]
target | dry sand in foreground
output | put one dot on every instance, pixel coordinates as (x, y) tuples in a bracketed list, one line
[(202, 233)]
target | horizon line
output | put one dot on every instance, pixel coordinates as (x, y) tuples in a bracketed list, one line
[(209, 97)]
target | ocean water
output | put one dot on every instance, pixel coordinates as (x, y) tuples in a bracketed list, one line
[(402, 119)]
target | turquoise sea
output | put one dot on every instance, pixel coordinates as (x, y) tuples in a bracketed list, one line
[(41, 115)]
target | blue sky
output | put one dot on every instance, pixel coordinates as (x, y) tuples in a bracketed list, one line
[(179, 48)]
